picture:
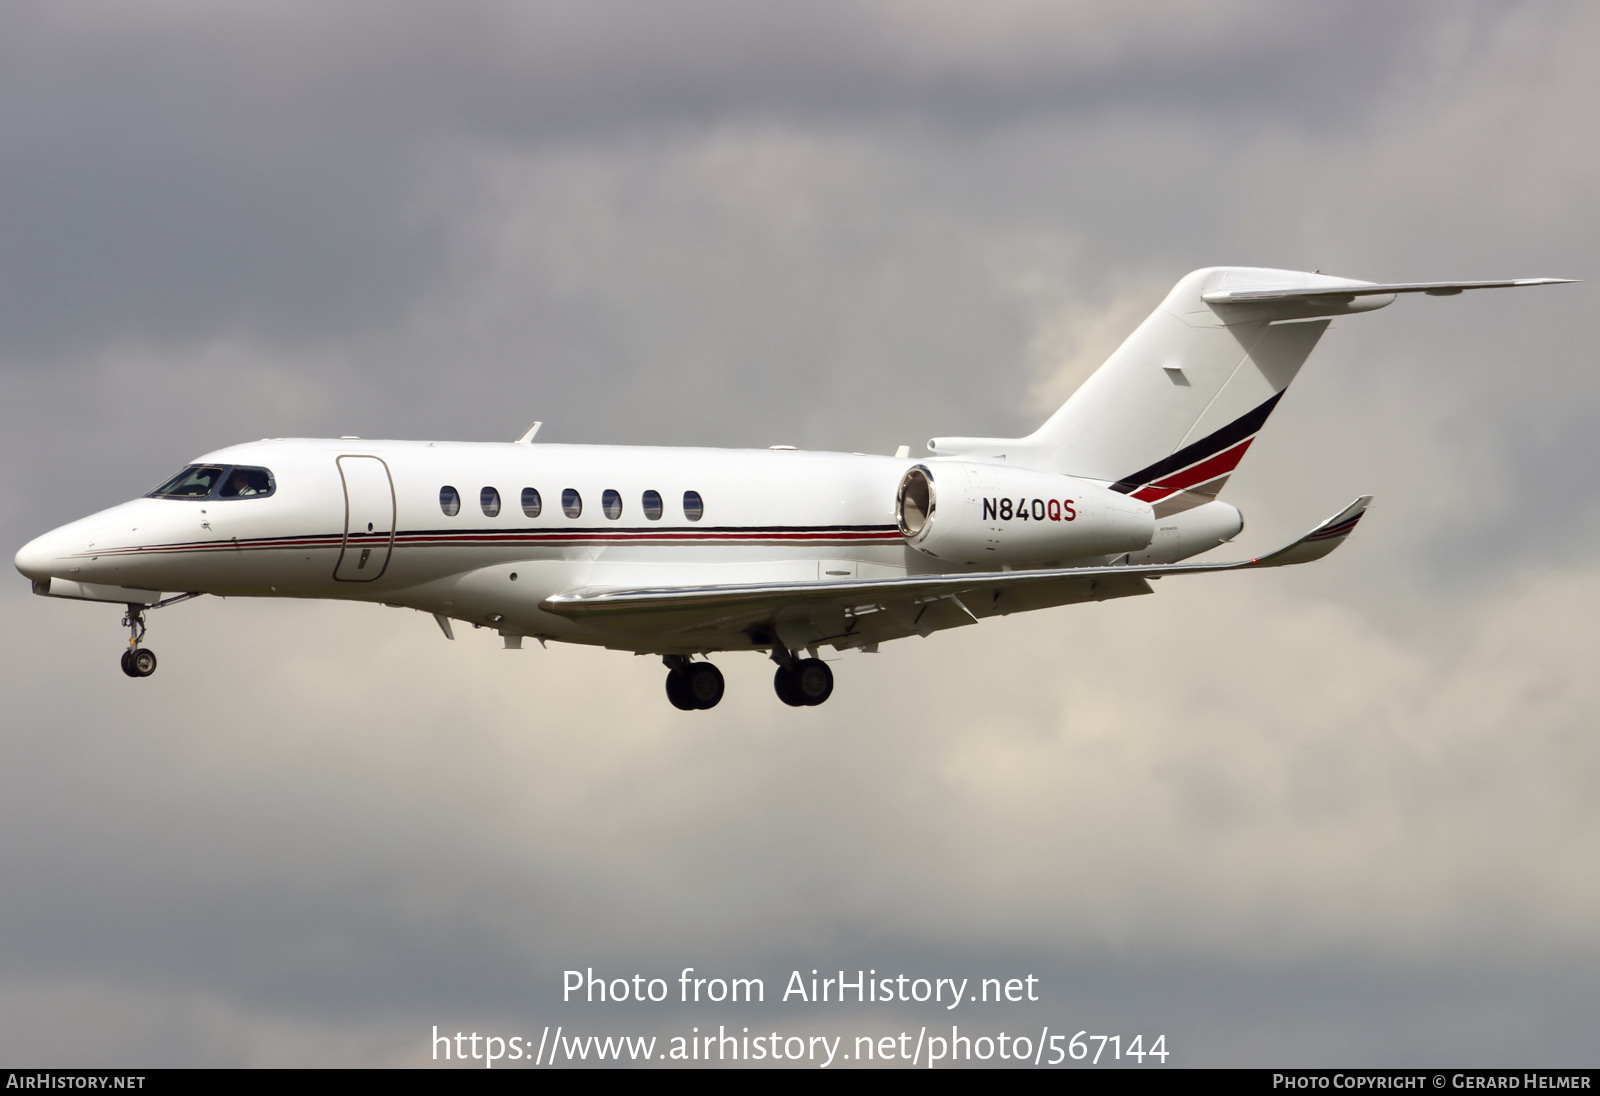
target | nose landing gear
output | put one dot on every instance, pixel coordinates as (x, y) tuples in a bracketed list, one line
[(140, 661), (137, 661)]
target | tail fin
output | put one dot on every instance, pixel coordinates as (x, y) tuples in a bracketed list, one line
[(1171, 413)]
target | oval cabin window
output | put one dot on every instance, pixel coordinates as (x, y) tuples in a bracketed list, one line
[(449, 501), (531, 503), (693, 508), (489, 499), (571, 502)]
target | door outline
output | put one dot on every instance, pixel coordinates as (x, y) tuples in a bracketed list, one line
[(394, 515)]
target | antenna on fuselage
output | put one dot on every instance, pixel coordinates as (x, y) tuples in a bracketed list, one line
[(527, 435)]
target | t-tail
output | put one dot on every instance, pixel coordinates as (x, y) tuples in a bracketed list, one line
[(1171, 413)]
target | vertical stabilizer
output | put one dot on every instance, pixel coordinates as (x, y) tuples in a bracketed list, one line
[(1171, 413)]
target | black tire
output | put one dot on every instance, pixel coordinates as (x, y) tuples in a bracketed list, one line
[(812, 681), (127, 663), (678, 692), (704, 684), (783, 685), (142, 662)]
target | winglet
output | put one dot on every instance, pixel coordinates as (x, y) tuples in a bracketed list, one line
[(1320, 541)]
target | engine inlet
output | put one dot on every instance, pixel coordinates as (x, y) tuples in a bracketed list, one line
[(914, 502)]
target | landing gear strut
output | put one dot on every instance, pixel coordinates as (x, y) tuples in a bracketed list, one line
[(137, 661), (140, 661), (692, 685)]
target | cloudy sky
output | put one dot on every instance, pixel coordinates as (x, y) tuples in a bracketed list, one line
[(1329, 816)]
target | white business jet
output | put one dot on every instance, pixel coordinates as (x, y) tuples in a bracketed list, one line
[(683, 552)]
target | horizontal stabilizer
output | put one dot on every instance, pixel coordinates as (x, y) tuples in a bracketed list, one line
[(1352, 289), (756, 601)]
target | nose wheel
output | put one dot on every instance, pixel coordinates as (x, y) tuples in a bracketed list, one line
[(138, 662)]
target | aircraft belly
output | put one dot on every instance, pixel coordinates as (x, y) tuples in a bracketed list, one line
[(489, 596)]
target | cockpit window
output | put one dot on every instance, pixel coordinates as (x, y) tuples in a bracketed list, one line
[(203, 481), (194, 482), (246, 483)]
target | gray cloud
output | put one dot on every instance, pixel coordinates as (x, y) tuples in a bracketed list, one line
[(174, 171)]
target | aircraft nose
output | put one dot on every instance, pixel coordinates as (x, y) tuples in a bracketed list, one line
[(37, 557)]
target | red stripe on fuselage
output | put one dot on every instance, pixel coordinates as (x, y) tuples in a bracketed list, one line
[(490, 538)]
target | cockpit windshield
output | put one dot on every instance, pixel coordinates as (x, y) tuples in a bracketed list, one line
[(201, 481)]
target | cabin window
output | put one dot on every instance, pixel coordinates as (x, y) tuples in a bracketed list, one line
[(531, 503), (611, 504), (652, 505), (693, 508), (449, 501), (489, 499), (571, 502), (246, 483)]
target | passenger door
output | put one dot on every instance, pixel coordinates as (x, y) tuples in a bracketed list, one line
[(369, 516)]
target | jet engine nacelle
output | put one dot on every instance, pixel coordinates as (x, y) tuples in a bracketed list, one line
[(988, 514), (1179, 536)]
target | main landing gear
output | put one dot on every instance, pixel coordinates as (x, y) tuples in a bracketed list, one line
[(806, 682), (692, 685), (140, 661)]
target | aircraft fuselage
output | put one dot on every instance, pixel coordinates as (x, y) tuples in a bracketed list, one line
[(682, 552), (375, 521)]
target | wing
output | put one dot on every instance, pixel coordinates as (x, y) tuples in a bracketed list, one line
[(862, 612)]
